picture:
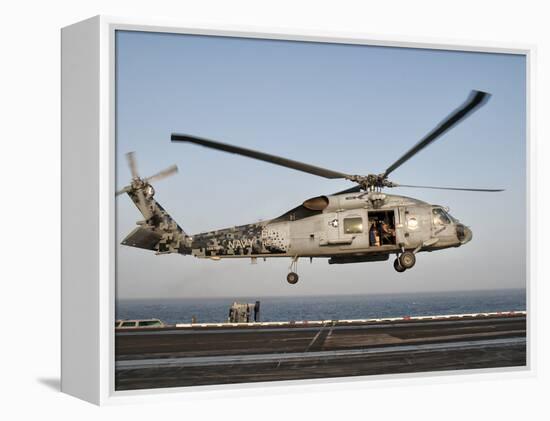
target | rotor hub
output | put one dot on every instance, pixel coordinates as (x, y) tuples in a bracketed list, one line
[(371, 182)]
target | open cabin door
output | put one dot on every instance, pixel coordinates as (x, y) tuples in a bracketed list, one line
[(382, 228)]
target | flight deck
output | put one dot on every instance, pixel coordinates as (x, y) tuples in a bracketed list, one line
[(222, 353)]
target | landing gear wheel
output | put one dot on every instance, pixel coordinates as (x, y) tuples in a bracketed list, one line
[(407, 259), (397, 266), (292, 278)]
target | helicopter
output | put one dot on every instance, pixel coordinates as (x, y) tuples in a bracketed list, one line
[(359, 224)]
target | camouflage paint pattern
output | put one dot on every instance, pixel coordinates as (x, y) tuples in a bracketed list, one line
[(256, 239)]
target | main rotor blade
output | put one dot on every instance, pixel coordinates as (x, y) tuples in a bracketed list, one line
[(130, 157), (474, 101), (277, 160), (162, 174), (447, 188)]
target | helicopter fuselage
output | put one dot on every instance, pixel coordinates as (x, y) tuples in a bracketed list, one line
[(346, 228)]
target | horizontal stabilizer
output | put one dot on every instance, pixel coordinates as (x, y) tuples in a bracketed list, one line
[(142, 238)]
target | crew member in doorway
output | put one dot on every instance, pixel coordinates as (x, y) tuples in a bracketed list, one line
[(387, 233), (374, 234)]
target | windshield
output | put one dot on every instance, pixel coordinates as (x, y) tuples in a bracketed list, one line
[(440, 217)]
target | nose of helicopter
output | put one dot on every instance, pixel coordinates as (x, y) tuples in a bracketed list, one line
[(467, 235), (464, 234)]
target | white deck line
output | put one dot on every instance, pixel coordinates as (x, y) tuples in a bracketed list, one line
[(380, 320)]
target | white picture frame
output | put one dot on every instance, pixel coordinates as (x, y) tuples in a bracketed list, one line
[(88, 192)]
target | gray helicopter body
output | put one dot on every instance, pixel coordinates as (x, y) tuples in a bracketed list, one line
[(360, 224), (338, 227)]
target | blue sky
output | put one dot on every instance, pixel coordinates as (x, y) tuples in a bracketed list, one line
[(349, 108)]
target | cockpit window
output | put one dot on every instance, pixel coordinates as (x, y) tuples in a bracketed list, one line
[(440, 217)]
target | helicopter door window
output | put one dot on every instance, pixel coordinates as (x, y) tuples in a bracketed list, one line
[(440, 217), (353, 225)]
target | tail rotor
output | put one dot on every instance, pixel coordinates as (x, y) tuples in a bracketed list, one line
[(140, 189)]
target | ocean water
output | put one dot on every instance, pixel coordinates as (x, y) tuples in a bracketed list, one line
[(210, 310)]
